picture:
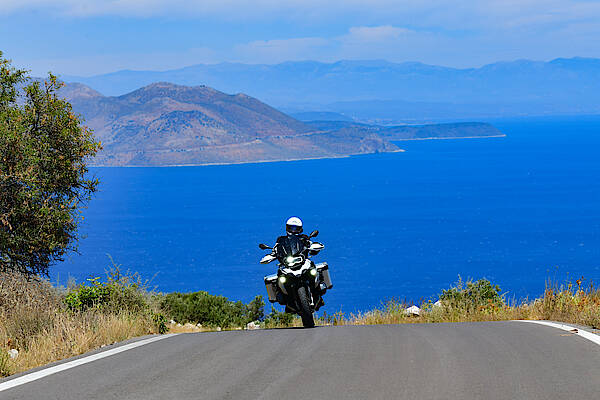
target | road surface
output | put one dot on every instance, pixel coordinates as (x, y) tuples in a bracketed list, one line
[(488, 360)]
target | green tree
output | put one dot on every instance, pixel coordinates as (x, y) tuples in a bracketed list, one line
[(43, 173)]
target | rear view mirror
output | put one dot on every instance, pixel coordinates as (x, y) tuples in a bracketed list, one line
[(263, 246), (316, 247), (267, 259), (313, 234)]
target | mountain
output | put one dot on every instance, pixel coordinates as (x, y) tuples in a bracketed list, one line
[(167, 124), (383, 90), (440, 131), (461, 130)]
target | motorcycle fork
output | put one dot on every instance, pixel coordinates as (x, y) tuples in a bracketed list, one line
[(310, 294)]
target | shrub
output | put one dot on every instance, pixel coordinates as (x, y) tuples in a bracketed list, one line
[(256, 309), (472, 295), (119, 293), (161, 323), (126, 292), (83, 297), (46, 325), (207, 309), (278, 319), (18, 291)]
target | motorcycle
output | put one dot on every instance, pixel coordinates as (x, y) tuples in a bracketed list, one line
[(299, 283)]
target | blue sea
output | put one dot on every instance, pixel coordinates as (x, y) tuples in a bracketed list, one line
[(517, 210)]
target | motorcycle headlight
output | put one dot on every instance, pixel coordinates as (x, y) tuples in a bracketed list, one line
[(290, 260)]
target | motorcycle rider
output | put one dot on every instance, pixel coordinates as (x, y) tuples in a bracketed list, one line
[(296, 240), (293, 229)]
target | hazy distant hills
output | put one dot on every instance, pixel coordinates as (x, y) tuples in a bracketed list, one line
[(165, 124), (380, 90), (414, 132)]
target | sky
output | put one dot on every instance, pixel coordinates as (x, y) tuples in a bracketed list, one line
[(89, 37)]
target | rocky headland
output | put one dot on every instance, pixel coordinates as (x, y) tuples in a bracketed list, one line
[(164, 124)]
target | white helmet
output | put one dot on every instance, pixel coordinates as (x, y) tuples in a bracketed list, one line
[(293, 226)]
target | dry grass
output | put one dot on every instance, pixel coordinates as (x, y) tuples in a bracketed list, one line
[(70, 335), (34, 322), (569, 303)]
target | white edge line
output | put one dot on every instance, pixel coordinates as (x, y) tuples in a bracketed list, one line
[(574, 330), (75, 363)]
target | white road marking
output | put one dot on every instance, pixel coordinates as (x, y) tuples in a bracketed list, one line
[(75, 363), (576, 331)]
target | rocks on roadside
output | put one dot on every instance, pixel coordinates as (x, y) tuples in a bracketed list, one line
[(251, 326), (219, 329), (413, 311), (13, 353)]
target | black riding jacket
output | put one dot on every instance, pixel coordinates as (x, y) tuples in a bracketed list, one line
[(291, 245)]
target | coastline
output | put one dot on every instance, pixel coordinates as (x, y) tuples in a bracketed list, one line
[(241, 162), (449, 138), (295, 159)]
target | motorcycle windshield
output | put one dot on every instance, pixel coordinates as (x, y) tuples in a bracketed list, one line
[(289, 246)]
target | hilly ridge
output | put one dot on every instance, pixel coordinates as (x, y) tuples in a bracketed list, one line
[(167, 124)]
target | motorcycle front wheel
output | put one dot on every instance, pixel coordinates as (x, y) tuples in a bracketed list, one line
[(305, 312)]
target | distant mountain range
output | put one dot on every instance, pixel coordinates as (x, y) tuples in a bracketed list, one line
[(166, 124), (391, 92)]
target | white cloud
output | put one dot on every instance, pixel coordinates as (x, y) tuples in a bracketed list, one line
[(400, 44), (360, 42), (443, 14), (448, 32)]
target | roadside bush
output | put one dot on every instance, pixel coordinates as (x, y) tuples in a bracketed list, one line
[(46, 324), (18, 292), (27, 307), (161, 323), (256, 309), (207, 309), (472, 295), (83, 297), (278, 319), (119, 293)]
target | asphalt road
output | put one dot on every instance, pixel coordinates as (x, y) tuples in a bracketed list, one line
[(492, 360)]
